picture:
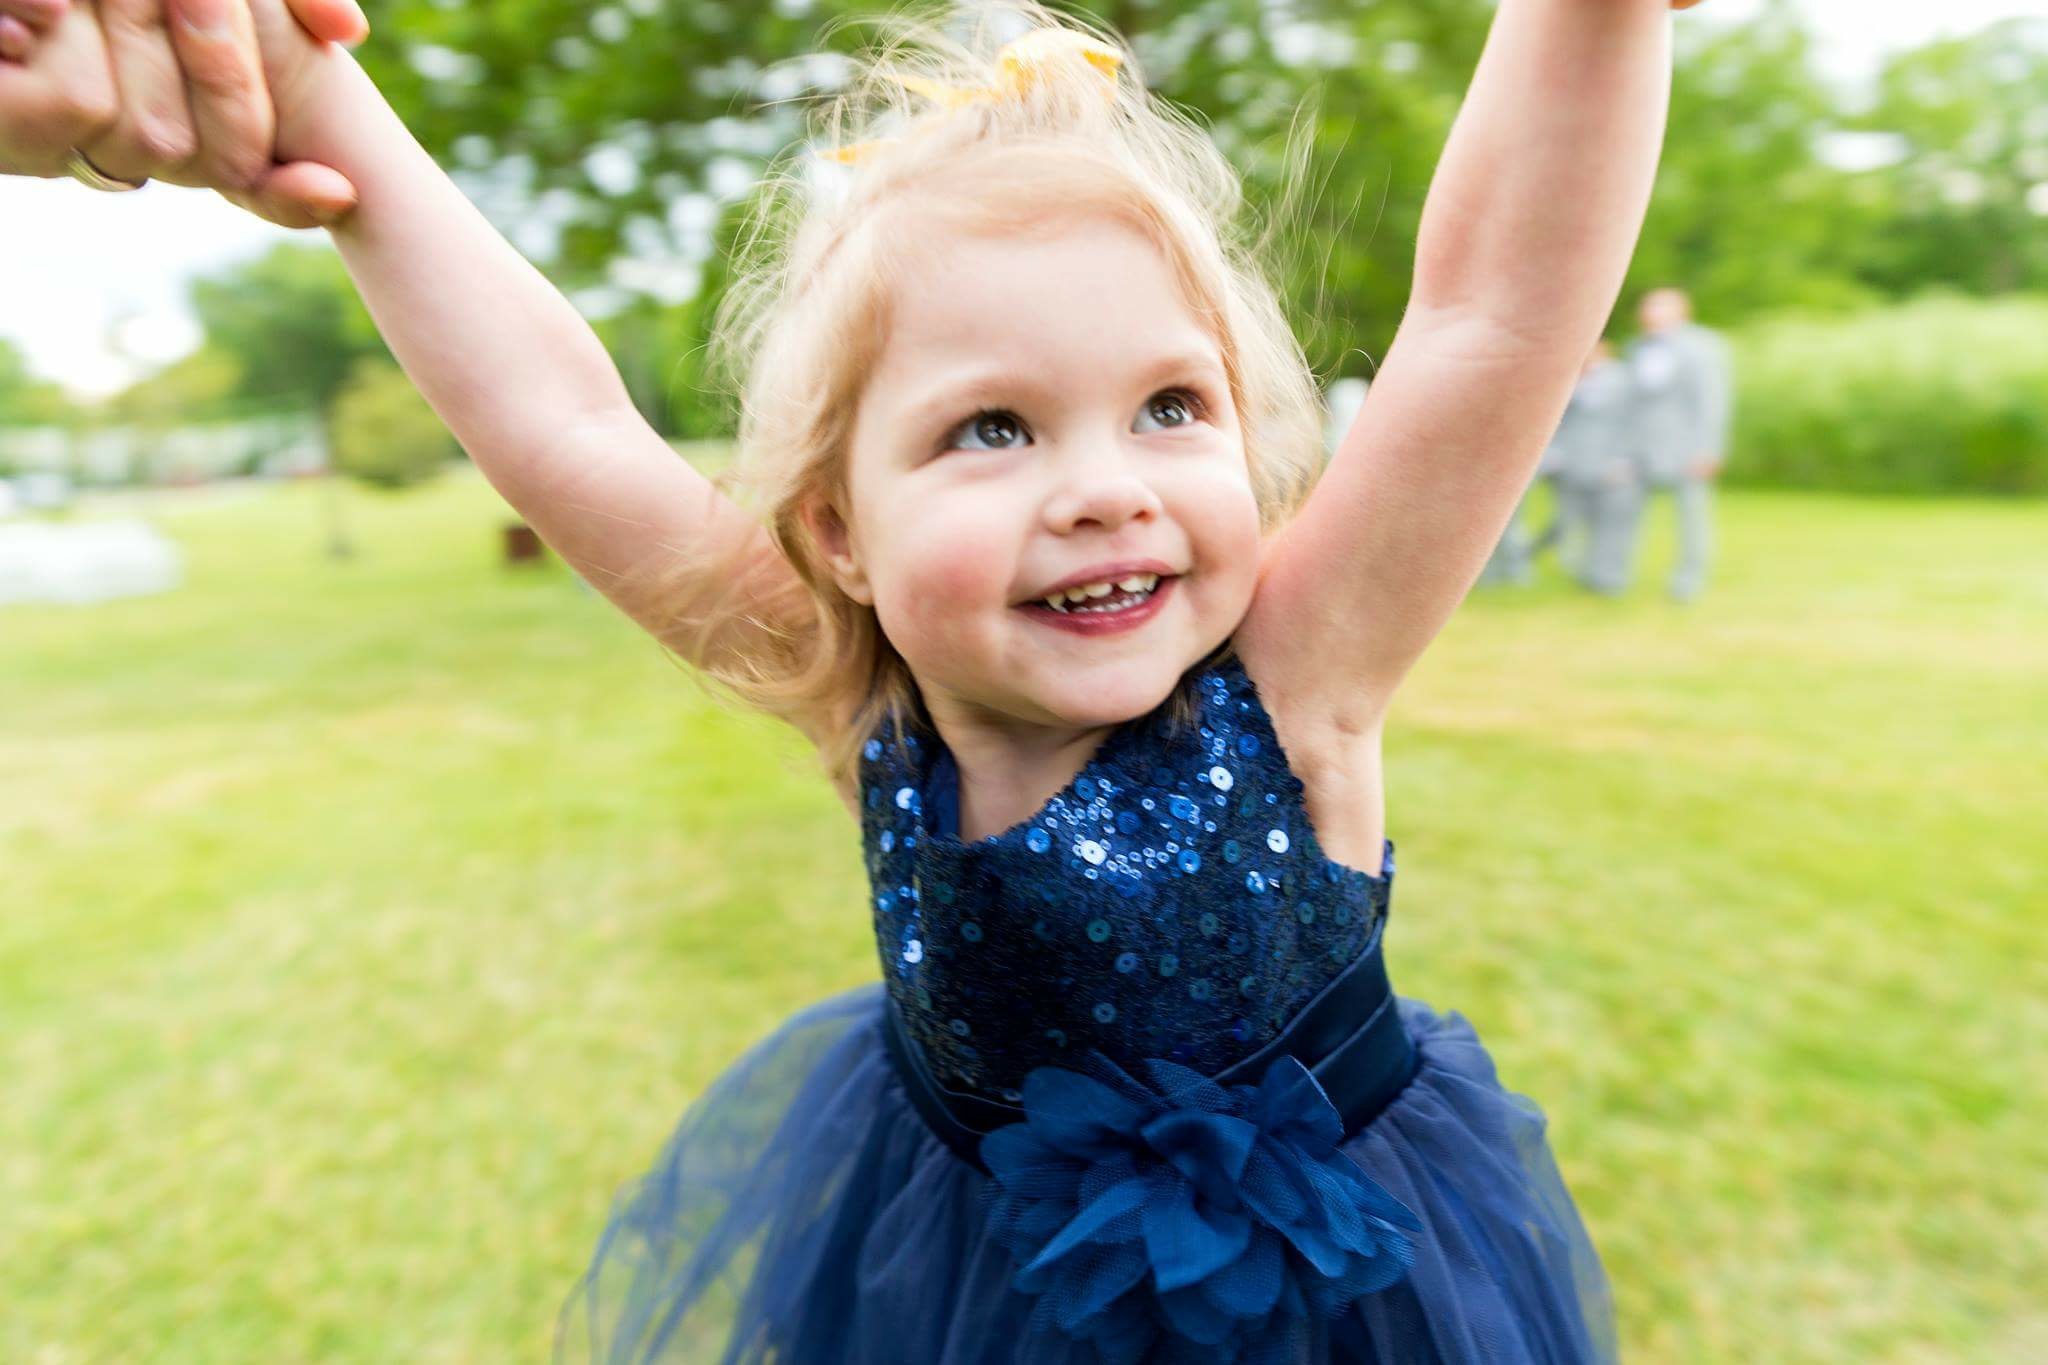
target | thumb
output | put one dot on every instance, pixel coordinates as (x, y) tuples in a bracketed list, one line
[(300, 194), (332, 21)]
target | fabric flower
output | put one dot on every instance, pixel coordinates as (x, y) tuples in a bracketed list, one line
[(1224, 1216)]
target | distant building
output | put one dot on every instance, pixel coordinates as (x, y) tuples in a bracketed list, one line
[(267, 447)]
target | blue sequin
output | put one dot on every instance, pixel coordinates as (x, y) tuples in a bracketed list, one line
[(999, 939)]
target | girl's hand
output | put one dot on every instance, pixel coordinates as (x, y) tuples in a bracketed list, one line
[(180, 97)]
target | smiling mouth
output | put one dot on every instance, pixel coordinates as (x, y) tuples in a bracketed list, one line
[(1104, 598), (1113, 606)]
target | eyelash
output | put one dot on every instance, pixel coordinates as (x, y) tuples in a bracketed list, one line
[(1198, 410)]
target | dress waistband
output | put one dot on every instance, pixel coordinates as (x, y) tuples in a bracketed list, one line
[(1350, 1036)]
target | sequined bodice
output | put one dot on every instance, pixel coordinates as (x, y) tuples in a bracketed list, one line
[(1171, 901)]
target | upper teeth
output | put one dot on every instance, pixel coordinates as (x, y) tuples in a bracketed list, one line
[(1137, 582)]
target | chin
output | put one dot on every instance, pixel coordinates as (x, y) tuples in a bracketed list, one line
[(1113, 692)]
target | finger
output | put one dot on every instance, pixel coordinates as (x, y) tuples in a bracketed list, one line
[(301, 194), (332, 21), (17, 40), (154, 135), (35, 13), (65, 100), (215, 42)]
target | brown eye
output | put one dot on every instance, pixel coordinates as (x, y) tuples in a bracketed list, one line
[(1169, 409), (995, 429)]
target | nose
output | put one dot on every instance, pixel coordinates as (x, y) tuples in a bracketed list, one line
[(1102, 492)]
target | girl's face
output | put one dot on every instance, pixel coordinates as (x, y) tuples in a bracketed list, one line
[(1048, 501)]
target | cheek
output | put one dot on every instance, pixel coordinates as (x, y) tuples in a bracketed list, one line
[(938, 577), (1222, 518)]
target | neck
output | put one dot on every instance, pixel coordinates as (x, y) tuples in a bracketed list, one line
[(1008, 767)]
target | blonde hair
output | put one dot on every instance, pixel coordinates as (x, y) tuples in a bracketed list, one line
[(807, 314)]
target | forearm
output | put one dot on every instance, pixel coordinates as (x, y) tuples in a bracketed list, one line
[(1540, 194), (503, 358)]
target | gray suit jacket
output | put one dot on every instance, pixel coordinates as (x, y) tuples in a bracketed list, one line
[(1680, 399), (1596, 429)]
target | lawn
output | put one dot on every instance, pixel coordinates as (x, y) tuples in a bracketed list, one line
[(366, 923)]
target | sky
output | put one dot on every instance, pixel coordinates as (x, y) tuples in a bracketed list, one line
[(92, 285)]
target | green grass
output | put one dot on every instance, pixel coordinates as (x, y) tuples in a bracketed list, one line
[(366, 924)]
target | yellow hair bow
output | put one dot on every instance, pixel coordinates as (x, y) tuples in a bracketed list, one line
[(1017, 67)]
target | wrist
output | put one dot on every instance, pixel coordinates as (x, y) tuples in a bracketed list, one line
[(322, 95)]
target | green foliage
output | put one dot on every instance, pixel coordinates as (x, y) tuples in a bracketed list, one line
[(202, 385), (291, 322), (1972, 118), (1941, 395), (384, 433), (661, 356), (1745, 214), (638, 127), (26, 400)]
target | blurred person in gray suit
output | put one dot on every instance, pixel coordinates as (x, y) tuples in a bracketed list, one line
[(1513, 558), (1593, 471), (1679, 382)]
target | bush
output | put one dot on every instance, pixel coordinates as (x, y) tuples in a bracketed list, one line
[(1939, 395), (383, 431)]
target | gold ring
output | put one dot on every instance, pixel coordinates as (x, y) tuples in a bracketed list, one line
[(79, 168)]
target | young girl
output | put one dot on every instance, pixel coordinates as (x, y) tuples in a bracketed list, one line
[(1037, 565)]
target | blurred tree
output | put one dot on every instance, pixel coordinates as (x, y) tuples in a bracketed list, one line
[(634, 129), (383, 431), (616, 143), (26, 400), (296, 332), (196, 387), (1966, 202), (291, 324), (1747, 215)]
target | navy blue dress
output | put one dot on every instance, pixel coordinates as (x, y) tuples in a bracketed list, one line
[(1133, 1090)]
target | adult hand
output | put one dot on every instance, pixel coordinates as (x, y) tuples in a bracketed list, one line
[(1704, 467), (143, 100)]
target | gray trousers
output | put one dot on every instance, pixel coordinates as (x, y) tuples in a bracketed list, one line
[(1693, 501), (1595, 530), (1512, 559)]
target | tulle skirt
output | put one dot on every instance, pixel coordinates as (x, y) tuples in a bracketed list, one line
[(803, 1213)]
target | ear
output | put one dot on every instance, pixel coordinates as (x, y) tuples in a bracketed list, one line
[(834, 539)]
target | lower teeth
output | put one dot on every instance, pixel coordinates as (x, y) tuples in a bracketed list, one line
[(1121, 602)]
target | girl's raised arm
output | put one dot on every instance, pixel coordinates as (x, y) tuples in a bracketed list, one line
[(515, 372), (1525, 237)]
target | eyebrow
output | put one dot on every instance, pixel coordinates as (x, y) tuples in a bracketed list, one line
[(956, 391)]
